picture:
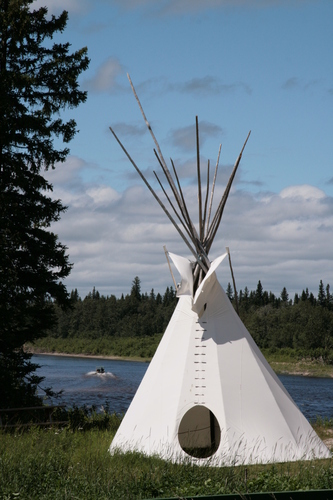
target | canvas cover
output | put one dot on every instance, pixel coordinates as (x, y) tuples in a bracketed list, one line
[(210, 397)]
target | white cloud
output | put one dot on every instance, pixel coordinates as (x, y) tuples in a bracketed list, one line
[(105, 79), (282, 239), (66, 173), (305, 191), (103, 196)]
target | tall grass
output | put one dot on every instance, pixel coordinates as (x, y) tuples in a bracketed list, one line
[(66, 464)]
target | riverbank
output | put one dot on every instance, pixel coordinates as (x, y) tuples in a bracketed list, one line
[(142, 349), (124, 348), (302, 368), (292, 362), (92, 356)]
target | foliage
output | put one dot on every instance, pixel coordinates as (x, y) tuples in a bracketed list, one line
[(74, 419), (37, 81), (59, 463), (96, 323), (277, 322), (84, 418), (142, 348), (99, 317)]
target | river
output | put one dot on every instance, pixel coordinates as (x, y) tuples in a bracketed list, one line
[(77, 378)]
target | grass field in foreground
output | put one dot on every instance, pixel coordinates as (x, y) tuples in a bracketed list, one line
[(66, 464)]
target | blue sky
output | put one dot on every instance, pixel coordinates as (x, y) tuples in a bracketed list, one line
[(264, 66)]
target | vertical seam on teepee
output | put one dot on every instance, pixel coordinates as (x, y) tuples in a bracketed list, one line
[(200, 365)]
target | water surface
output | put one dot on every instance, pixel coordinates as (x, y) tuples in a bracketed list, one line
[(76, 376)]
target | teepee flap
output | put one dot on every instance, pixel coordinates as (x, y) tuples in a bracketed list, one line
[(185, 269), (202, 292)]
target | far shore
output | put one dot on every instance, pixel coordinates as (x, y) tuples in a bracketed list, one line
[(302, 368), (92, 356)]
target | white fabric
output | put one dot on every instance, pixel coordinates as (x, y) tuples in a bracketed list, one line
[(211, 362), (203, 290), (185, 269)]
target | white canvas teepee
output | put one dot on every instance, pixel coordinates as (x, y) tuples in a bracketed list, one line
[(208, 395)]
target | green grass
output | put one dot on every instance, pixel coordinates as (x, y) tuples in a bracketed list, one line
[(63, 464), (296, 362), (140, 348)]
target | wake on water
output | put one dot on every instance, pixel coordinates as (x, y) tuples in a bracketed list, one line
[(103, 375)]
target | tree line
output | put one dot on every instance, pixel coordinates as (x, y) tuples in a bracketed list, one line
[(304, 322), (136, 314)]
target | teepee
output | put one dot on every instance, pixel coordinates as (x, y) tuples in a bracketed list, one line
[(208, 395)]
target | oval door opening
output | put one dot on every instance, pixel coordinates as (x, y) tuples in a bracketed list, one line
[(199, 433)]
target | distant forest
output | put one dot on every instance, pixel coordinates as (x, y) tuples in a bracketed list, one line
[(304, 322)]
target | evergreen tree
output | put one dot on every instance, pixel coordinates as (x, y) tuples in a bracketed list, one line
[(230, 292), (259, 294), (312, 299), (37, 81), (240, 297), (321, 294), (136, 289), (284, 295), (166, 297), (328, 297), (245, 299), (75, 296), (265, 298)]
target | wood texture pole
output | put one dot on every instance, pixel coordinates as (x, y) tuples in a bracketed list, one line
[(172, 206), (168, 261), (213, 188), (181, 205), (199, 178), (233, 280), (201, 264), (159, 155), (219, 212), (206, 201)]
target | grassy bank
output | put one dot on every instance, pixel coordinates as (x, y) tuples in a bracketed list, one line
[(283, 361), (60, 464), (296, 362), (136, 348)]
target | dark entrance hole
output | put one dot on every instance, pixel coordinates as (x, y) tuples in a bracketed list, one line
[(199, 432)]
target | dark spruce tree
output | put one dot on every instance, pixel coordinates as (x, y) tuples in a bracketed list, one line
[(38, 79), (321, 294)]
